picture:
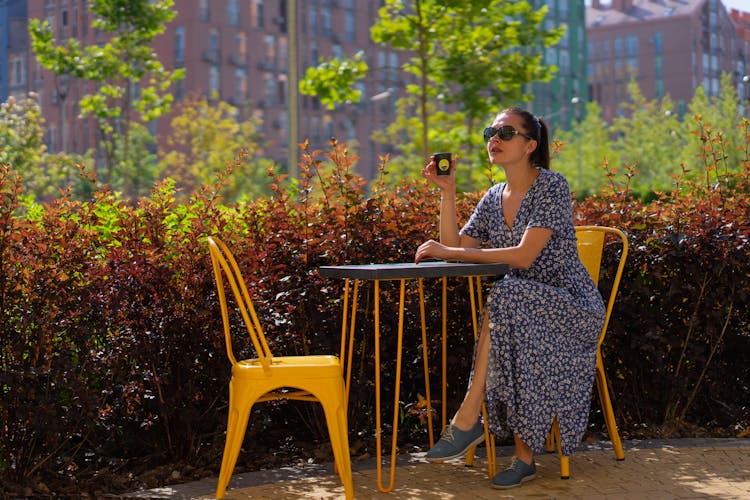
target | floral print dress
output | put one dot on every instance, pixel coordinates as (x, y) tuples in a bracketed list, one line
[(544, 321)]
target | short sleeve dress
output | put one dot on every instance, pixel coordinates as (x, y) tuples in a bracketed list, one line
[(544, 321)]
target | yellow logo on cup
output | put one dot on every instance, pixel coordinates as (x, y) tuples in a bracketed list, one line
[(444, 164)]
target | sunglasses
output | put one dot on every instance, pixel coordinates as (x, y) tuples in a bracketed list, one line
[(505, 133)]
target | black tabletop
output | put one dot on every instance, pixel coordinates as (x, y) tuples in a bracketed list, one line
[(402, 270)]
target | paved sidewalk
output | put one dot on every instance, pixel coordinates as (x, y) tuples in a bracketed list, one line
[(682, 468)]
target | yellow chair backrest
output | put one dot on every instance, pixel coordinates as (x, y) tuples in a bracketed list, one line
[(591, 241), (225, 265)]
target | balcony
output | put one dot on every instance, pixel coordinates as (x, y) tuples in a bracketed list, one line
[(211, 55), (238, 60)]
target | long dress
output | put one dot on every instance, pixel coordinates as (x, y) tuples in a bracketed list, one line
[(544, 321)]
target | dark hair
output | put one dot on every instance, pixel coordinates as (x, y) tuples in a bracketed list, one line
[(536, 128)]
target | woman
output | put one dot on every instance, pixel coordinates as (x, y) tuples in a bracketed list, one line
[(536, 353)]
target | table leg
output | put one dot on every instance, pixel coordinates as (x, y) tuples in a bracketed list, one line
[(445, 351), (378, 430), (475, 295), (425, 361), (350, 336)]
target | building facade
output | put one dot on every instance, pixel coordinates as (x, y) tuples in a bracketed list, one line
[(14, 47), (742, 22), (561, 100), (670, 47), (239, 52)]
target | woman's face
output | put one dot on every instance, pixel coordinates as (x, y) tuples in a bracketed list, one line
[(516, 148)]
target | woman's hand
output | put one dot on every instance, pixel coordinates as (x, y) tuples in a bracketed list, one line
[(434, 249), (446, 183)]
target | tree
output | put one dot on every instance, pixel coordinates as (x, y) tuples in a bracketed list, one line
[(650, 135), (132, 85), (658, 143), (470, 56), (583, 149), (719, 120), (22, 148), (332, 81), (205, 139)]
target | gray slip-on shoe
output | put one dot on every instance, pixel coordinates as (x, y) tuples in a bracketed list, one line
[(454, 442), (513, 476)]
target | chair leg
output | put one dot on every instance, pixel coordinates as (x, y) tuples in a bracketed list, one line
[(564, 467), (338, 433), (489, 441), (239, 414), (549, 442), (470, 456), (554, 438), (609, 414)]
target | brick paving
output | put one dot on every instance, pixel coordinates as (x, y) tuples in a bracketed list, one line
[(654, 470)]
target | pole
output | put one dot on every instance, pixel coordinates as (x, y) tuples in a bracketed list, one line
[(576, 101), (293, 82)]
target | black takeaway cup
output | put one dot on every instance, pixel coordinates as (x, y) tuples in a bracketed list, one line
[(442, 163)]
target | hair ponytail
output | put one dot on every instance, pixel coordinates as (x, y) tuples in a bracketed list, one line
[(536, 128)]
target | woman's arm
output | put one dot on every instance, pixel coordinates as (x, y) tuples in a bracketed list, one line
[(521, 256)]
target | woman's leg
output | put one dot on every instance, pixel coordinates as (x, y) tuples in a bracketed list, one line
[(522, 450), (471, 407)]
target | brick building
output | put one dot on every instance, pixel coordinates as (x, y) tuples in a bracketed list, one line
[(669, 47), (238, 51)]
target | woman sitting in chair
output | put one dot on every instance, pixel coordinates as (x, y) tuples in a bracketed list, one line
[(535, 357)]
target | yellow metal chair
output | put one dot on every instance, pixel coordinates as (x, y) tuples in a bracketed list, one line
[(314, 378), (590, 248)]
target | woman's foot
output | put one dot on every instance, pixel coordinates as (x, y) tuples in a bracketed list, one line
[(518, 472), (455, 442)]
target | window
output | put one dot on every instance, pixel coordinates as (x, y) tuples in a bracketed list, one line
[(393, 66), (241, 41), (325, 14), (213, 40), (233, 12), (349, 25), (240, 89), (314, 54), (632, 45), (256, 12), (313, 19), (283, 53), (179, 89), (179, 46), (17, 70), (658, 43), (281, 90), (564, 60), (214, 82), (204, 12), (659, 88), (270, 90), (283, 124), (270, 49)]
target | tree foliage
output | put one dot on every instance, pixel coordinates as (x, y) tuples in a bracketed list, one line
[(204, 141), (43, 175), (466, 58), (132, 85), (333, 81), (654, 140)]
